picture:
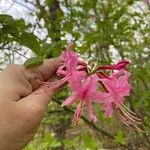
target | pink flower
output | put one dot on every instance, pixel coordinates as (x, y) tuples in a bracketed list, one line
[(69, 70), (84, 87), (71, 62), (85, 92), (70, 67), (117, 88)]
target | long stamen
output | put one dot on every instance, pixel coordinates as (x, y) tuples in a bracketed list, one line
[(128, 119), (131, 125), (44, 89), (56, 84), (126, 116), (135, 119), (125, 120), (128, 109)]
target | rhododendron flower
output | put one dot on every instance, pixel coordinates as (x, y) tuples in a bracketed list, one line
[(68, 69), (85, 92), (70, 62), (84, 87), (117, 88)]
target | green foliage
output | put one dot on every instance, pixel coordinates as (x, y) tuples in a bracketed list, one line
[(29, 40), (16, 29), (86, 142), (90, 142), (33, 62), (119, 138), (48, 141)]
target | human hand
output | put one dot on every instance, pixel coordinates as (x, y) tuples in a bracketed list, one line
[(21, 109)]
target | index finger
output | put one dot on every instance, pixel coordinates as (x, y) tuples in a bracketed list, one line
[(42, 73)]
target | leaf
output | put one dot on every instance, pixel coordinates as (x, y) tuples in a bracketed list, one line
[(51, 141), (119, 138), (33, 62), (5, 19), (17, 29), (12, 26), (30, 40), (70, 143), (90, 142), (30, 146)]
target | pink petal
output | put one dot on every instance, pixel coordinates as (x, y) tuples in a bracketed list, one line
[(60, 71), (109, 84), (75, 80), (91, 83), (96, 96), (107, 103), (69, 100), (89, 111)]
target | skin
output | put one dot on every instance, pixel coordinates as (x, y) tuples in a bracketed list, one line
[(23, 102)]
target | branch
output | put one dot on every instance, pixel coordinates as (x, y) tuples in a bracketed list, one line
[(18, 53), (25, 6), (90, 124)]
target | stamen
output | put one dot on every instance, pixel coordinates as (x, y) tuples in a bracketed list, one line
[(135, 119), (56, 84), (128, 109), (44, 89), (131, 125), (128, 119)]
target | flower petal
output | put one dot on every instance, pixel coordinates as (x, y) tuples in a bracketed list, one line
[(89, 111), (69, 100)]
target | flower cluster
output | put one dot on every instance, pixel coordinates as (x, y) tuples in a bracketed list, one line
[(85, 87)]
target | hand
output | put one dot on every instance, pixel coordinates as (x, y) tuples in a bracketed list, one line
[(21, 108)]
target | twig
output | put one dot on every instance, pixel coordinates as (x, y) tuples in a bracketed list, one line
[(18, 53), (15, 1), (90, 124)]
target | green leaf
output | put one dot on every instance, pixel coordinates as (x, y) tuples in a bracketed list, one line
[(16, 28), (11, 25), (5, 19), (119, 138), (30, 146), (90, 142), (51, 141), (30, 40), (33, 62)]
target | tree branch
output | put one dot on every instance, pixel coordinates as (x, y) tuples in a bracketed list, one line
[(90, 124)]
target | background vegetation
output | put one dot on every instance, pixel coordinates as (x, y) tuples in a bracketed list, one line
[(103, 31)]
